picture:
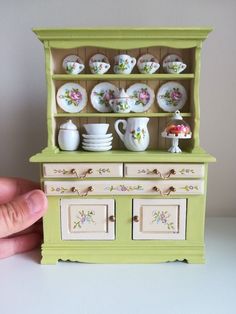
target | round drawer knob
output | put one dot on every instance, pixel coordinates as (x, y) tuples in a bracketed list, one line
[(112, 218), (90, 171), (172, 189), (172, 171), (73, 171), (73, 189), (136, 218), (90, 189)]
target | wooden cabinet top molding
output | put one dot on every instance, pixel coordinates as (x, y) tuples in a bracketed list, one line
[(172, 37)]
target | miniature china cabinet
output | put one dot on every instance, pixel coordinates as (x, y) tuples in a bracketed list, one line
[(120, 196)]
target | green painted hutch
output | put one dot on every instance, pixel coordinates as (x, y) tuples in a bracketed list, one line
[(120, 188)]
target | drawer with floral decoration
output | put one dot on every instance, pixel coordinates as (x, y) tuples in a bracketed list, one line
[(163, 170), (125, 187), (82, 170)]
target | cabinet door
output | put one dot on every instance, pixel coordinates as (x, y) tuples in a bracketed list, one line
[(159, 219), (90, 219)]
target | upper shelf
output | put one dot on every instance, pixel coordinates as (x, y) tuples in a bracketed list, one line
[(114, 77)]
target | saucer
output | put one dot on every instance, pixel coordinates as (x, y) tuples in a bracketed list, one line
[(71, 58), (171, 58), (97, 149), (143, 95), (171, 96), (71, 97), (97, 141), (96, 145), (98, 136), (98, 58), (101, 94)]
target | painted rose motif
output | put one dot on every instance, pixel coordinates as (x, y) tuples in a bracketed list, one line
[(104, 96), (72, 96), (172, 97), (141, 96)]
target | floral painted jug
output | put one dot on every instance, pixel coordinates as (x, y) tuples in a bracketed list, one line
[(136, 136)]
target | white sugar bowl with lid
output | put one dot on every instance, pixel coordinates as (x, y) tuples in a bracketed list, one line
[(123, 103), (68, 136)]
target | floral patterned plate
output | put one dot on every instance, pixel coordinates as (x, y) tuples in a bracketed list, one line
[(71, 97), (171, 96), (101, 94), (144, 97)]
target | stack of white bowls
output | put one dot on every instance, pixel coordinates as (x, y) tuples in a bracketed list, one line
[(97, 139)]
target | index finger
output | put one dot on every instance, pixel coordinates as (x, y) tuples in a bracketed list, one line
[(10, 188)]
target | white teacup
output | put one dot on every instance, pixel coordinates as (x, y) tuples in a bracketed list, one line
[(99, 67), (124, 64), (96, 128), (148, 67), (74, 67), (175, 67)]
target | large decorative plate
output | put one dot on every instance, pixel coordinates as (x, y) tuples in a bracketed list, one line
[(71, 97), (171, 96), (143, 95), (101, 94)]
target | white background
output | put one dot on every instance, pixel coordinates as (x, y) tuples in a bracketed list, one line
[(23, 89)]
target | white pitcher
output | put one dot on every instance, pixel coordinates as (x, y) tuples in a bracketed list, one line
[(136, 136)]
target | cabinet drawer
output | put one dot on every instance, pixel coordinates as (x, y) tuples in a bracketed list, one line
[(82, 170), (89, 219), (124, 187), (159, 219), (164, 171)]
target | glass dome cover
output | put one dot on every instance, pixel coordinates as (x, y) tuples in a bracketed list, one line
[(177, 127)]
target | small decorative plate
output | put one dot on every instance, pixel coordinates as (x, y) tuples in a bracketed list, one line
[(143, 96), (99, 136), (71, 58), (171, 96), (171, 58), (71, 97), (101, 94), (98, 58)]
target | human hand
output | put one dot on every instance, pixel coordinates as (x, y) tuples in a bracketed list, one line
[(22, 204)]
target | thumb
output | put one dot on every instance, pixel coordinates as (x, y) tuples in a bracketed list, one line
[(22, 212)]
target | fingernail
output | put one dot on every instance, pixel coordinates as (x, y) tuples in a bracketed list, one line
[(35, 201)]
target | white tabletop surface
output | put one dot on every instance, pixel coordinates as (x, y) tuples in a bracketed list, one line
[(177, 288)]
